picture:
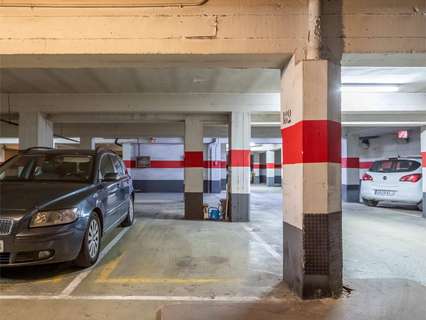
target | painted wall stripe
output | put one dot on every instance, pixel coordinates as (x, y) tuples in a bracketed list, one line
[(239, 158), (350, 163), (365, 164), (312, 141), (194, 159), (424, 159), (157, 164)]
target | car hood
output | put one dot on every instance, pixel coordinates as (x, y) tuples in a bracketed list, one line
[(18, 198)]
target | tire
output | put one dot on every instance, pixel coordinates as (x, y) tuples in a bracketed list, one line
[(371, 203), (130, 218), (420, 206), (91, 247)]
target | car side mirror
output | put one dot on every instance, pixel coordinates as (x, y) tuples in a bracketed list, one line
[(111, 176)]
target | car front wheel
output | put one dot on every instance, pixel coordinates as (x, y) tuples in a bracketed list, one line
[(91, 243)]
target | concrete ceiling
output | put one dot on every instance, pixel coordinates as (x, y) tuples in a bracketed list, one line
[(184, 80), (143, 80)]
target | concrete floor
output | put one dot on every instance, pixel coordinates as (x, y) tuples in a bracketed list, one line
[(175, 269)]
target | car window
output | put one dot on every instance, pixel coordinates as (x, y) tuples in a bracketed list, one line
[(106, 166), (48, 167), (118, 166), (395, 166)]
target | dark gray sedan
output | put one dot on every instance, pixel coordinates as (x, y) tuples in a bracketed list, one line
[(55, 205)]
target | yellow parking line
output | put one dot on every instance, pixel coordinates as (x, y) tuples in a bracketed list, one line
[(142, 280), (56, 279), (108, 269)]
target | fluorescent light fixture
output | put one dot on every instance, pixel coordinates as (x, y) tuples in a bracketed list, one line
[(370, 88)]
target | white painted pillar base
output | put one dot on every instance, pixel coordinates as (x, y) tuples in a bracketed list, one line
[(35, 130)]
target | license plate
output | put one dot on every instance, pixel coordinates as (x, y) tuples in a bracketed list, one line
[(1, 246), (385, 193)]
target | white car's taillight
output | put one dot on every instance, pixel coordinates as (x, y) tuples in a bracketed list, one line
[(367, 177), (411, 178)]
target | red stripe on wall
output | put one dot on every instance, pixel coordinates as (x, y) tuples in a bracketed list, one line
[(312, 141), (365, 164), (239, 158), (350, 163), (194, 159), (278, 166), (171, 164), (256, 165)]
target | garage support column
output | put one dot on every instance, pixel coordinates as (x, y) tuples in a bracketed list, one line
[(194, 167), (277, 166), (35, 130), (423, 151), (224, 159), (311, 133), (87, 143), (256, 168), (239, 165), (2, 153), (350, 168), (270, 168)]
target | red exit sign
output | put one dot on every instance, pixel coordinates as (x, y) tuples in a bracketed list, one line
[(403, 134)]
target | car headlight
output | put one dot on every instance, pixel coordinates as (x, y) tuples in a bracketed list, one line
[(53, 218)]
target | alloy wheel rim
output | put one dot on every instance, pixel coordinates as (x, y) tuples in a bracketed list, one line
[(131, 211), (93, 239)]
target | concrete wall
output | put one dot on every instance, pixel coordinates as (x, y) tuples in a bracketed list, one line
[(166, 173), (387, 146)]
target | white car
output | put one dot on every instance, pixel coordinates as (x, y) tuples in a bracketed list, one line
[(394, 180)]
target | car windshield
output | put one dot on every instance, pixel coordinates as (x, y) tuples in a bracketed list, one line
[(48, 167), (395, 166)]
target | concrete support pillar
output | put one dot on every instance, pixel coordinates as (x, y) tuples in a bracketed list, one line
[(277, 167), (423, 152), (270, 168), (223, 171), (351, 184), (239, 165), (212, 167), (256, 167), (194, 165), (262, 167), (87, 143), (311, 133), (35, 130)]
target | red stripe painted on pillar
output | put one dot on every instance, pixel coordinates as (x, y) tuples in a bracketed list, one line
[(350, 163), (365, 164), (130, 163), (424, 159), (214, 164), (256, 165), (239, 158), (277, 165), (312, 141), (194, 159)]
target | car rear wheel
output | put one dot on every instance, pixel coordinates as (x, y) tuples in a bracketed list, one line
[(130, 215), (371, 203), (91, 243)]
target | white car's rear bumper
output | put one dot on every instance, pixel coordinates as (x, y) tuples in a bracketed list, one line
[(410, 193)]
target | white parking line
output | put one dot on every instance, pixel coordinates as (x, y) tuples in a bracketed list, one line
[(262, 242), (83, 275), (235, 299)]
